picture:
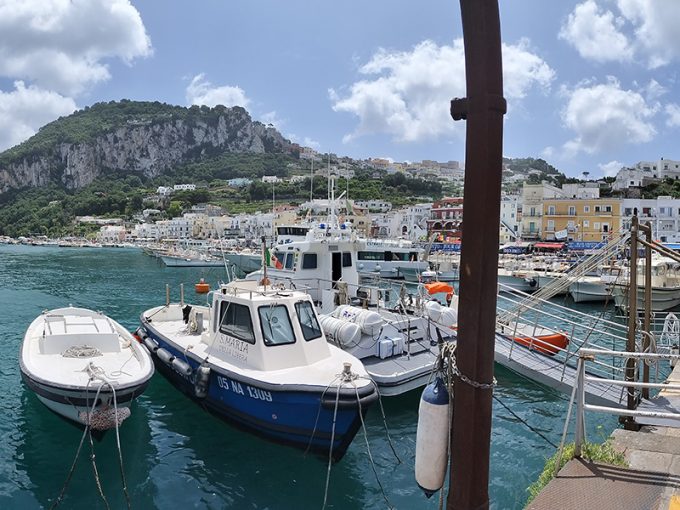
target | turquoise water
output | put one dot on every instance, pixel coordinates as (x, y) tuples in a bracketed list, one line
[(178, 456)]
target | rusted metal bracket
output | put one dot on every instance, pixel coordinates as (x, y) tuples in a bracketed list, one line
[(461, 106)]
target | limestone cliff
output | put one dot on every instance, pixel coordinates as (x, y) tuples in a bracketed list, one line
[(144, 138)]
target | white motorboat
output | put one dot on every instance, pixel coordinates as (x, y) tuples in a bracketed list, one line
[(258, 357), (398, 343), (84, 366)]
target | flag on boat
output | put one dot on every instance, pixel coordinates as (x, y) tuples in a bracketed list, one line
[(271, 260)]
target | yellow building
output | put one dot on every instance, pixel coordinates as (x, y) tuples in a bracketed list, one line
[(574, 219)]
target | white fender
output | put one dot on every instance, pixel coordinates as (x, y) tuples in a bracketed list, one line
[(432, 437), (370, 322)]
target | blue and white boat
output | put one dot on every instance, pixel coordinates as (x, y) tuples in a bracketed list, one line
[(257, 357)]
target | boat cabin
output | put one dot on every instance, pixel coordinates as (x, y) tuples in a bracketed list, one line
[(264, 328)]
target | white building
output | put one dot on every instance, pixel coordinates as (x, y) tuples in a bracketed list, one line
[(662, 213), (112, 234), (586, 191), (374, 205), (270, 178), (164, 190), (184, 187), (510, 226), (645, 172)]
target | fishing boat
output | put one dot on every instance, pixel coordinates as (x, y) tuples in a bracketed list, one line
[(257, 356), (84, 366)]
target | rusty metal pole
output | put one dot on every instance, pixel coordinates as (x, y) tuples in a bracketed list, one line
[(646, 322), (483, 109), (632, 316)]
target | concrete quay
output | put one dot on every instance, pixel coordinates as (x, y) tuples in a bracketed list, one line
[(650, 482)]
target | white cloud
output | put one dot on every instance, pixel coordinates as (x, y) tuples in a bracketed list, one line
[(654, 90), (25, 109), (272, 118), (610, 169), (408, 93), (656, 28), (596, 34), (304, 141), (548, 151), (61, 44), (202, 92), (645, 30), (673, 112), (606, 117)]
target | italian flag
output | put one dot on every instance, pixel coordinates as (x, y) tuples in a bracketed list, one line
[(271, 260)]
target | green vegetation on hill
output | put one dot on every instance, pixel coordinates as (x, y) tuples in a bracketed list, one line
[(87, 124)]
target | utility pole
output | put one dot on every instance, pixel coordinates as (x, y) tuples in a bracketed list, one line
[(483, 109)]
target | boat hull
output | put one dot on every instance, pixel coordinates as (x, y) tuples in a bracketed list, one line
[(582, 292), (73, 403), (663, 298), (303, 416)]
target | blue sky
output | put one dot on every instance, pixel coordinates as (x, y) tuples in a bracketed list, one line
[(591, 85)]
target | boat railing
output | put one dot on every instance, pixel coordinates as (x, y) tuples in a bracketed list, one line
[(578, 395), (582, 330)]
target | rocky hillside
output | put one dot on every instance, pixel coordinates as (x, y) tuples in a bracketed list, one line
[(147, 138)]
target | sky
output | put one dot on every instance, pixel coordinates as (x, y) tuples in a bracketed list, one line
[(591, 85)]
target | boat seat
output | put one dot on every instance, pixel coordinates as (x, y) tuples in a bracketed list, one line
[(62, 332)]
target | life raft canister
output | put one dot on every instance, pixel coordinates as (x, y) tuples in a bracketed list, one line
[(202, 287)]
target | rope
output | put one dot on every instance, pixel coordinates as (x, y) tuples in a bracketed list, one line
[(382, 413), (330, 448), (368, 449), (57, 502), (524, 422), (81, 351)]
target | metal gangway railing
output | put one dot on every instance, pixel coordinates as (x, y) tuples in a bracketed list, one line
[(578, 395)]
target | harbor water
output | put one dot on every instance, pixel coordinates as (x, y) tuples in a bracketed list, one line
[(175, 455)]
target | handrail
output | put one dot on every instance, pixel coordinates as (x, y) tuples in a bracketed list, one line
[(578, 393)]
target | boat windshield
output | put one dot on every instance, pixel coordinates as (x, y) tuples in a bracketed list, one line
[(276, 326), (235, 321), (307, 318)]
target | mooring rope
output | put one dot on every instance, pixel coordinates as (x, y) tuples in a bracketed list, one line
[(330, 448)]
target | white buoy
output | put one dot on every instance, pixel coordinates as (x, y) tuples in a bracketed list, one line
[(432, 437)]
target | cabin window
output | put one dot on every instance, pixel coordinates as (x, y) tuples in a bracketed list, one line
[(276, 326), (370, 255), (290, 258), (309, 261), (307, 318), (346, 260), (235, 321)]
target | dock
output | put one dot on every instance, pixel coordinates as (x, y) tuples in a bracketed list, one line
[(650, 482)]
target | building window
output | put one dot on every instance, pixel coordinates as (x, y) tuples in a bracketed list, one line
[(596, 225), (607, 208), (276, 326), (586, 223), (551, 209), (551, 226), (597, 208), (572, 210), (586, 208)]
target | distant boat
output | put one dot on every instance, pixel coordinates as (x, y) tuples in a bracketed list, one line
[(84, 366), (258, 357), (182, 261)]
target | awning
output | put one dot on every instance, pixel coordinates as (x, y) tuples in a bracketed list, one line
[(552, 246)]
